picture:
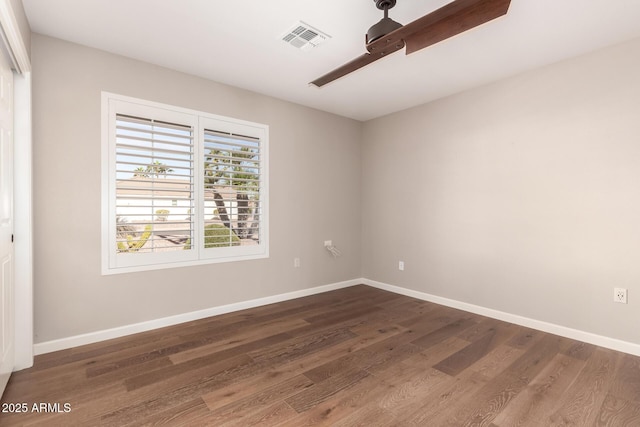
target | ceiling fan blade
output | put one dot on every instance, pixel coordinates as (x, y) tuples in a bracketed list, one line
[(448, 21), (356, 64)]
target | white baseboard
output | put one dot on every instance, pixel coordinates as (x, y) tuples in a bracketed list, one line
[(588, 337), (92, 337), (89, 338)]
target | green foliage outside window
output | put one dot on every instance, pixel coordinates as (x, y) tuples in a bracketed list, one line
[(134, 245), (217, 236)]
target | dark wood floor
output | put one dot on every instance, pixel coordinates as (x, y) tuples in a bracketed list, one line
[(357, 356)]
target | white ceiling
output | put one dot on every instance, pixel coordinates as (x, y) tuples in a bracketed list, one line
[(237, 42)]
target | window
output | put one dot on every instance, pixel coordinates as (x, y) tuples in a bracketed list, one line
[(180, 187)]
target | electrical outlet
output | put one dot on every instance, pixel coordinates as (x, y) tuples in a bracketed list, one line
[(328, 243), (296, 262), (620, 295), (401, 265)]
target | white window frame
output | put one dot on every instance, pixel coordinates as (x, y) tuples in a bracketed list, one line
[(114, 262)]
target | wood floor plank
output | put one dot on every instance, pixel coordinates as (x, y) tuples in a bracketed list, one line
[(364, 358), (201, 382), (272, 415), (618, 412), (340, 405), (524, 338), (346, 314), (298, 347), (484, 326), (433, 319), (352, 319), (480, 346), (406, 304), (354, 356), (441, 401), (158, 375), (580, 350), (540, 397), (494, 362), (80, 384), (410, 393), (312, 396), (359, 404), (481, 406), (348, 404), (239, 410), (163, 395), (235, 340), (581, 403), (77, 402), (439, 335), (185, 414), (240, 389), (61, 372), (427, 358), (626, 384)]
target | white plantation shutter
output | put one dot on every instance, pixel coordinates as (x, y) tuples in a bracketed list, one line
[(154, 185), (180, 187), (232, 187)]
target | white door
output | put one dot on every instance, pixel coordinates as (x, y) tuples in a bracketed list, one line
[(6, 222)]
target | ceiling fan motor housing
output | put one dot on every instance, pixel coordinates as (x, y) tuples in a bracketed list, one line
[(386, 24)]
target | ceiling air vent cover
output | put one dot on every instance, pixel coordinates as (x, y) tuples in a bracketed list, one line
[(305, 37)]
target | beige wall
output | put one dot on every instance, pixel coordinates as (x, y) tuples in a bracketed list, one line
[(521, 196), (314, 188)]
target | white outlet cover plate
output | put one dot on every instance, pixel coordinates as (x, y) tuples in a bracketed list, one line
[(620, 295)]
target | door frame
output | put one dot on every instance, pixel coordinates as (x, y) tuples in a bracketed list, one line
[(23, 205)]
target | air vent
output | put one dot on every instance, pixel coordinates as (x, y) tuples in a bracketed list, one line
[(303, 36)]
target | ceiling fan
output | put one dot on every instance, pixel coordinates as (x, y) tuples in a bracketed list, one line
[(388, 36)]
